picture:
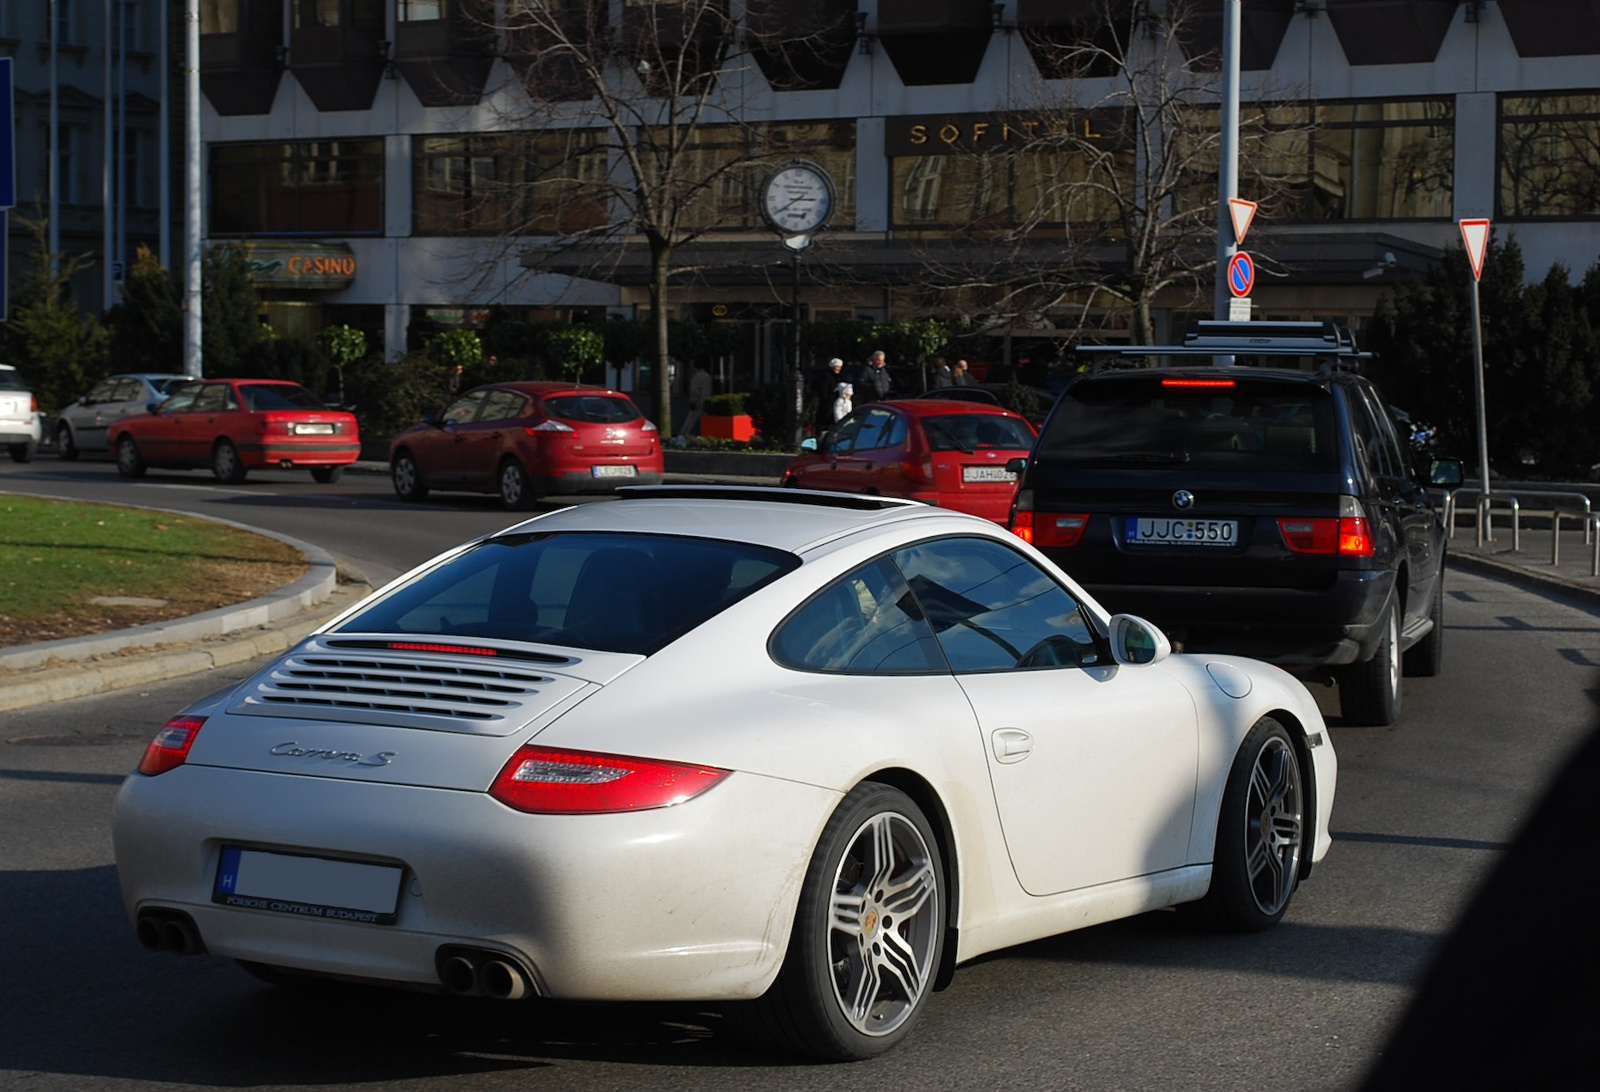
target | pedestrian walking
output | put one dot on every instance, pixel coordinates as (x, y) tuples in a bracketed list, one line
[(699, 391), (874, 382)]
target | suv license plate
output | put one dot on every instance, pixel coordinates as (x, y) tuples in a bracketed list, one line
[(986, 474), (1183, 532), (612, 471), (311, 887)]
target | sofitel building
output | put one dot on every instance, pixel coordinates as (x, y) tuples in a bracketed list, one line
[(342, 139)]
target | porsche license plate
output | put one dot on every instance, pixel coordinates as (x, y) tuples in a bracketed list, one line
[(311, 887), (987, 474), (612, 471), (1183, 532)]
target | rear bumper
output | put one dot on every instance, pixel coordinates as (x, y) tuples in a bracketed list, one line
[(1340, 624), (584, 481), (268, 455)]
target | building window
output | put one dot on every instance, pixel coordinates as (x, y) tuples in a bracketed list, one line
[(508, 183), (558, 181), (315, 13), (1549, 157), (330, 187), (67, 22), (219, 16), (1369, 160), (420, 11)]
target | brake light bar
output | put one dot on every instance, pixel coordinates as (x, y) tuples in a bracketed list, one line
[(1197, 382), (426, 646)]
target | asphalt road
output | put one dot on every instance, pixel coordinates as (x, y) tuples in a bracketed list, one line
[(1424, 809)]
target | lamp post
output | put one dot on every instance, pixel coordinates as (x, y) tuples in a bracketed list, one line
[(797, 200)]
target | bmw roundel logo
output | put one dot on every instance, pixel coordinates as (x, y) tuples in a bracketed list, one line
[(1182, 499)]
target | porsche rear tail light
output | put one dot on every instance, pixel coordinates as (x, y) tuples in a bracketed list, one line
[(558, 782), (171, 746)]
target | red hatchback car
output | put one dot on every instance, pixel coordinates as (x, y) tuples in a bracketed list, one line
[(526, 440), (234, 425), (944, 452)]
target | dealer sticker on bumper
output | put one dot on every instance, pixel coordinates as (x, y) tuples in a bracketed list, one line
[(312, 887)]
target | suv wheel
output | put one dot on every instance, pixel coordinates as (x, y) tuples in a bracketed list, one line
[(1425, 659), (1369, 692)]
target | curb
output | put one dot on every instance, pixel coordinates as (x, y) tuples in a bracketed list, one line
[(1521, 574), (75, 667)]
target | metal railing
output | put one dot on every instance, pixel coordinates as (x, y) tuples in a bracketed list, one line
[(1580, 507)]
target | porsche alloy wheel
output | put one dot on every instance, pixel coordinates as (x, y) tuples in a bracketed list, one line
[(130, 464), (868, 935), (1261, 833)]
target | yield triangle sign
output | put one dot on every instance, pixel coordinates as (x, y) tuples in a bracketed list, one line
[(1475, 233), (1242, 212)]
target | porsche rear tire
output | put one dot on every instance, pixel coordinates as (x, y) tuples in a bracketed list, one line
[(868, 934)]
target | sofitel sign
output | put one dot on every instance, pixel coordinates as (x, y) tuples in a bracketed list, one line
[(299, 265), (963, 134)]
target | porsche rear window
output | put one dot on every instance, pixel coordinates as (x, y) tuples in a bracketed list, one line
[(1254, 424), (595, 409), (607, 591)]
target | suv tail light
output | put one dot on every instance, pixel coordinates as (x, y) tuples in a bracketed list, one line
[(171, 746), (1059, 529), (1345, 535), (557, 782)]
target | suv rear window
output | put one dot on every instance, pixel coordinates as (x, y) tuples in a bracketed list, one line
[(598, 409), (1236, 423)]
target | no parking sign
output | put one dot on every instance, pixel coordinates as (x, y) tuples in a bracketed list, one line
[(1241, 274)]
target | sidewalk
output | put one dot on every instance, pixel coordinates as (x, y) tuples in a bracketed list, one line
[(32, 675)]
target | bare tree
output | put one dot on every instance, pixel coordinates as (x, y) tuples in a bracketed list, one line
[(1104, 189), (642, 125)]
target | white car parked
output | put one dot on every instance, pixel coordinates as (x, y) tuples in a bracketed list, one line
[(19, 416), (800, 752), (86, 424)]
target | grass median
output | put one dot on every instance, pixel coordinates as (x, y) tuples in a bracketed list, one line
[(69, 569)]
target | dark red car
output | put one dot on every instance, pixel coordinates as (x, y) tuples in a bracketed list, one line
[(234, 425), (526, 440), (939, 451)]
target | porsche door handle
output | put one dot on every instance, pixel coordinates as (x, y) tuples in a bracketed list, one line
[(1011, 744)]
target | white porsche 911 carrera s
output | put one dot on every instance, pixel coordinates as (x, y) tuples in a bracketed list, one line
[(800, 751)]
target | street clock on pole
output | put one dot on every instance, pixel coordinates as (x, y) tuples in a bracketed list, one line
[(797, 198)]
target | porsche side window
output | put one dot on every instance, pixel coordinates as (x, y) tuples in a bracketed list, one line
[(995, 610), (866, 623)]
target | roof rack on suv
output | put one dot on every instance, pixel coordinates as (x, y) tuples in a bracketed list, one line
[(1326, 342)]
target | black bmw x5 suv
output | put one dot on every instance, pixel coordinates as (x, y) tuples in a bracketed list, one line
[(1265, 509)]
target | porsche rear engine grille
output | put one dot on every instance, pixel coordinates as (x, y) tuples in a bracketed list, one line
[(404, 691)]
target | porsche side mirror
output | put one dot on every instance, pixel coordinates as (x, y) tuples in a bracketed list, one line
[(1136, 641)]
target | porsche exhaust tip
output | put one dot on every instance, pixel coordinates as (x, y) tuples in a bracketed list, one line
[(169, 931), (477, 972)]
